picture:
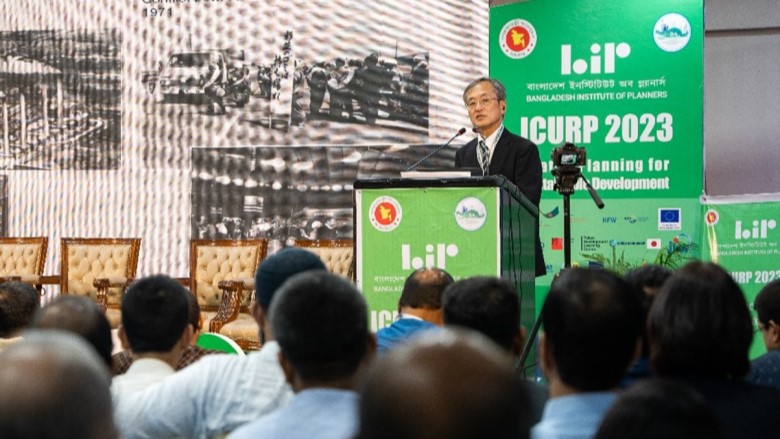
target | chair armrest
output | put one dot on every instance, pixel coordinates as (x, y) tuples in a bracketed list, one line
[(104, 283), (230, 306)]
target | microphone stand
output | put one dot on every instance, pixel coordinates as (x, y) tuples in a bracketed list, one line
[(459, 133)]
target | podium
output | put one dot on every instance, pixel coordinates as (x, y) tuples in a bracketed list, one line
[(467, 226)]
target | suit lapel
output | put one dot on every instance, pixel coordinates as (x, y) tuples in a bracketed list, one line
[(500, 154)]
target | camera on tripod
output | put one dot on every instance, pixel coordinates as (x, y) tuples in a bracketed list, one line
[(567, 160), (568, 155)]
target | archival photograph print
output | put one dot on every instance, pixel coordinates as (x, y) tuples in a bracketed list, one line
[(274, 73), (285, 194), (286, 93), (60, 99)]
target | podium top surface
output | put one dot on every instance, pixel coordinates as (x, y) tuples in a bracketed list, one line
[(482, 181)]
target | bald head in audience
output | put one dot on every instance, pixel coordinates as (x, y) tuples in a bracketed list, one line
[(54, 386), (81, 316), (444, 384)]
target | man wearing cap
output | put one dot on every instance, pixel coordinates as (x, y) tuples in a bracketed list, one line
[(220, 393)]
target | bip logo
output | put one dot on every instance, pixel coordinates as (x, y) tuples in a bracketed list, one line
[(599, 62), (435, 256), (759, 230)]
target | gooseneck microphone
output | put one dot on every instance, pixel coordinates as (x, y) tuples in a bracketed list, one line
[(417, 163)]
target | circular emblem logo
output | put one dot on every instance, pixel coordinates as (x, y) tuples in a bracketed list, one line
[(385, 214), (470, 214), (711, 217), (517, 38), (672, 32)]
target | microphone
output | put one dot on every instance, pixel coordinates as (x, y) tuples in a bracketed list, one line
[(459, 133)]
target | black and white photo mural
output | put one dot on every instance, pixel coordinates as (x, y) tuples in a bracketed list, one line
[(176, 120)]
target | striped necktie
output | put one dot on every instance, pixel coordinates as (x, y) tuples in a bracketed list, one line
[(484, 156)]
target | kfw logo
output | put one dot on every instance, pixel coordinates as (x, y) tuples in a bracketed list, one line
[(760, 227), (435, 256), (599, 62), (609, 219)]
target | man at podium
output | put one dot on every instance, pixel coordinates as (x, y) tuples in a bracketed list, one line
[(497, 151)]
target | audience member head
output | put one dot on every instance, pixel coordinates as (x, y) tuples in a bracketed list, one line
[(648, 278), (321, 324), (699, 325), (592, 323), (54, 386), (194, 317), (277, 268), (80, 315), (647, 281), (767, 305), (488, 305), (422, 293), (155, 315), (655, 408), (18, 303), (444, 384)]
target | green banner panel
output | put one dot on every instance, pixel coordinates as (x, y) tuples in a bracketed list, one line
[(623, 80), (624, 235), (744, 238)]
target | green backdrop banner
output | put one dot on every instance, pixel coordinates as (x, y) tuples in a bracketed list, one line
[(744, 238), (623, 80)]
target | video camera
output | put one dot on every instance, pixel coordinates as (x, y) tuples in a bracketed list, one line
[(567, 160), (568, 155)]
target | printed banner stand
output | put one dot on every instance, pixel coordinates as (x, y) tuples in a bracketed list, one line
[(743, 237), (467, 226)]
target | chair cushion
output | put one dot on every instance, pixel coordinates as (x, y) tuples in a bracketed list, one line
[(18, 259), (243, 328), (337, 259), (89, 262), (114, 317), (215, 264)]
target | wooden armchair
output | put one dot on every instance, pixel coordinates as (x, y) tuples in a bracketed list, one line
[(23, 259), (217, 268), (100, 268), (337, 254)]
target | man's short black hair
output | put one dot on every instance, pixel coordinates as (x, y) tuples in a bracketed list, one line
[(656, 407), (193, 314), (592, 321), (18, 303), (486, 304), (80, 315), (647, 280), (767, 303), (423, 288), (155, 312), (700, 325), (321, 324)]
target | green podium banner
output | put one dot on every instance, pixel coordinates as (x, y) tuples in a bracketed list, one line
[(623, 80), (467, 226), (455, 229)]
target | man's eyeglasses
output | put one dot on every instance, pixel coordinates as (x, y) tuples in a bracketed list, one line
[(484, 102)]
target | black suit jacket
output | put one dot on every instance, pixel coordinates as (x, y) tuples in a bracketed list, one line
[(517, 159)]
